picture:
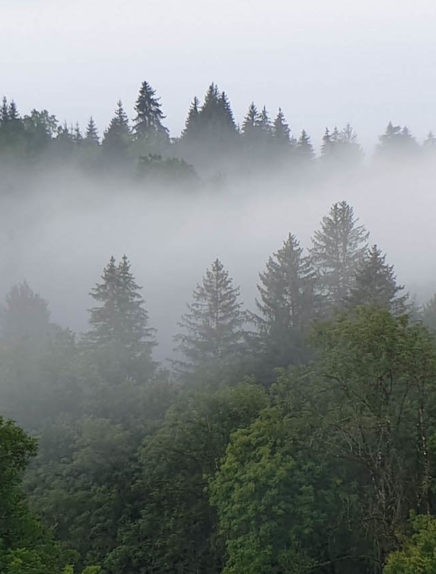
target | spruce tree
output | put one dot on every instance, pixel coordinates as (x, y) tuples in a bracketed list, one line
[(280, 130), (213, 333), (287, 304), (396, 142), (375, 285), (337, 251), (91, 135), (148, 122), (304, 148), (191, 125), (117, 137), (251, 122), (120, 336)]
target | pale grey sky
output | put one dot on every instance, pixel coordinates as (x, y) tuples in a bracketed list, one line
[(324, 62)]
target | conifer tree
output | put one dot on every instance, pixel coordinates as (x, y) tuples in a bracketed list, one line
[(213, 326), (304, 148), (91, 135), (191, 125), (251, 122), (337, 251), (326, 145), (281, 131), (287, 303), (265, 123), (119, 334), (148, 122), (375, 284), (117, 137), (25, 316), (396, 142)]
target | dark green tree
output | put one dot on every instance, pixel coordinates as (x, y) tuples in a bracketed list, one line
[(337, 250), (117, 138), (91, 135), (280, 130), (213, 328), (287, 305), (175, 530), (120, 337), (304, 149), (148, 131), (375, 285), (25, 547), (396, 142), (191, 130), (250, 125)]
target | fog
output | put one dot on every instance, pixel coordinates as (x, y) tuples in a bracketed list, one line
[(60, 233)]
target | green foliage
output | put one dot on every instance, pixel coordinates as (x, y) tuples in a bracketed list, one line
[(338, 248), (214, 324), (120, 339), (25, 547), (419, 553), (176, 531), (375, 284), (287, 305)]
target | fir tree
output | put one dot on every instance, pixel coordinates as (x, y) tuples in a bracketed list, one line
[(375, 285), (287, 303), (213, 326), (119, 332), (338, 249)]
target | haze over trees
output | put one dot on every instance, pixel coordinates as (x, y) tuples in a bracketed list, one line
[(214, 145), (294, 433)]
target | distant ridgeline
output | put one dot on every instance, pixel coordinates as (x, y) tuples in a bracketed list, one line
[(211, 144)]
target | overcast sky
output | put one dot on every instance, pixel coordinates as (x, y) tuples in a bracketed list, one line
[(325, 62)]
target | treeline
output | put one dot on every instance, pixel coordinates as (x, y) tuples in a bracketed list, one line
[(211, 144), (297, 438)]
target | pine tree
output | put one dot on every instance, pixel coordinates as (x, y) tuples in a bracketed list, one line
[(148, 121), (117, 137), (375, 285), (213, 326), (338, 249), (287, 303), (119, 333)]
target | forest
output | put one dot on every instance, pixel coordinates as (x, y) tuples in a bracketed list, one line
[(295, 433), (212, 147)]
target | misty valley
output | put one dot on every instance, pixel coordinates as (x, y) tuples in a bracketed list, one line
[(207, 361)]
